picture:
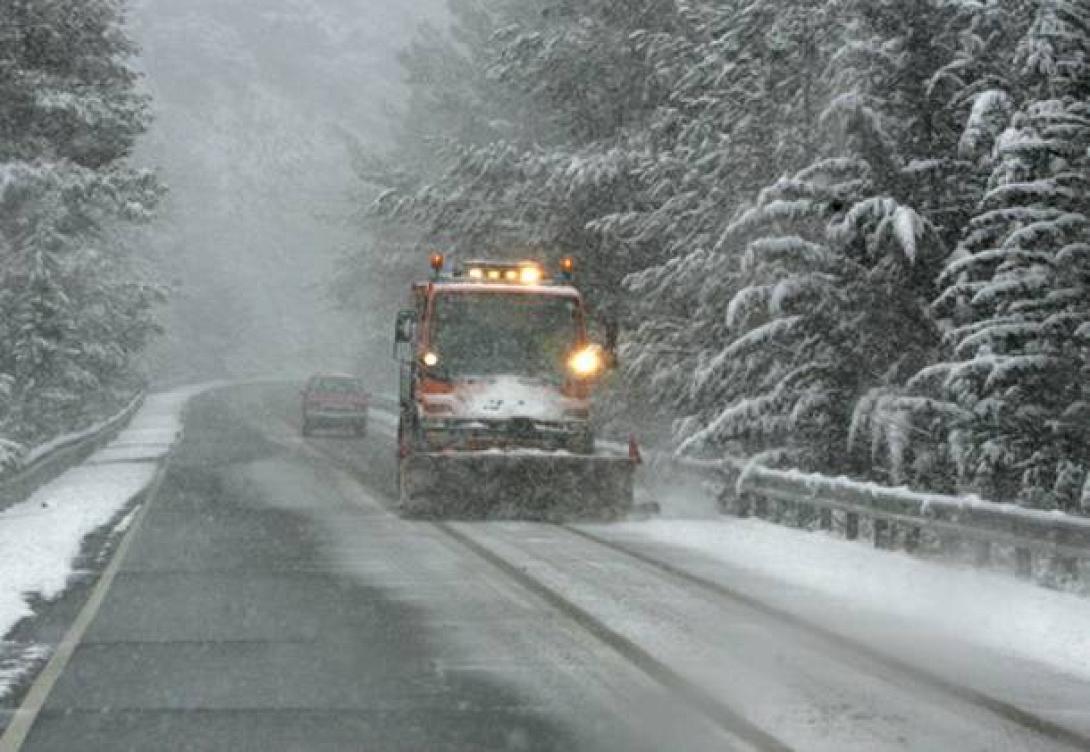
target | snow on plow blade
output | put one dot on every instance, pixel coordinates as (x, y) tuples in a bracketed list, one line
[(495, 485)]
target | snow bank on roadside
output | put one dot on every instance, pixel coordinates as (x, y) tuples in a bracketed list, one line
[(36, 453), (41, 538), (986, 608)]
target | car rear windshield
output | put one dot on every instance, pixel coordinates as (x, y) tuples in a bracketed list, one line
[(337, 385)]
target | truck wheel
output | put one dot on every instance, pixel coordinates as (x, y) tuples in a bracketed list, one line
[(307, 429), (360, 429)]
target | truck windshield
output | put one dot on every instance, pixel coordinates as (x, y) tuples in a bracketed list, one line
[(482, 334)]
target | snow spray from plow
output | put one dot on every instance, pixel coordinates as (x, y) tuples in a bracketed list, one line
[(516, 485)]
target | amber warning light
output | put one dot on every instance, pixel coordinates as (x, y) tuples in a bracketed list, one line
[(523, 272), (567, 267), (437, 262)]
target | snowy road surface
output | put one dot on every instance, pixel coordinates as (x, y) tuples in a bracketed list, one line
[(271, 600)]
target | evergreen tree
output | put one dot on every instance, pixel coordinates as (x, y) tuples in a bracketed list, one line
[(564, 85), (1017, 295), (746, 89), (72, 310), (796, 300)]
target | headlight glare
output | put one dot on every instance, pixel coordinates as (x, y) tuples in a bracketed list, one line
[(586, 362), (530, 275)]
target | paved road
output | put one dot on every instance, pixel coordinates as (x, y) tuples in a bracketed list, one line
[(271, 600)]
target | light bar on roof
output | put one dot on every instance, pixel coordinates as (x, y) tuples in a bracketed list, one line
[(521, 273)]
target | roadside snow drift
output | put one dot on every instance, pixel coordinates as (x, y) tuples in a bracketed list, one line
[(41, 538)]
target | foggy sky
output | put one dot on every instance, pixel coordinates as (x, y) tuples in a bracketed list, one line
[(254, 101)]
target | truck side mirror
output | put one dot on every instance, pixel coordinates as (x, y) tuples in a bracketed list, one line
[(406, 325)]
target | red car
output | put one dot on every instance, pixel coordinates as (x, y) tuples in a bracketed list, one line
[(334, 400)]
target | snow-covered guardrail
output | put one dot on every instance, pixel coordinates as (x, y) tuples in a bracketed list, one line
[(44, 462), (1063, 537), (1052, 533)]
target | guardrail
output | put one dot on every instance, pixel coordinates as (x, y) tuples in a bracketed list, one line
[(50, 460), (892, 514)]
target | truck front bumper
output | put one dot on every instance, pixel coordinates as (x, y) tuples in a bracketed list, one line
[(440, 434)]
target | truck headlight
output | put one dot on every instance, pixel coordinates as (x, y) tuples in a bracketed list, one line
[(586, 362)]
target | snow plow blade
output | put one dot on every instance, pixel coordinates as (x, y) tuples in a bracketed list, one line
[(486, 485)]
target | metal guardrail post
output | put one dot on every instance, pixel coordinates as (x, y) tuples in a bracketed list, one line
[(912, 538), (881, 533), (851, 526)]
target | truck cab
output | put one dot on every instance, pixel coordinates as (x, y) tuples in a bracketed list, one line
[(495, 355)]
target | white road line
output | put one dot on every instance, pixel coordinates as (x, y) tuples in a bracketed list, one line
[(24, 718)]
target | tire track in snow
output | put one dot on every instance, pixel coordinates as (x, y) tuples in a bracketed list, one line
[(1003, 709), (707, 704)]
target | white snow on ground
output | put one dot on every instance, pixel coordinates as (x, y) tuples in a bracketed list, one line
[(14, 660), (41, 538), (985, 608)]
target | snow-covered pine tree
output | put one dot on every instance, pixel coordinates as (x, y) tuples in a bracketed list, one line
[(829, 271), (452, 104), (72, 310), (572, 88), (1017, 291), (800, 295), (980, 80), (68, 92), (746, 87)]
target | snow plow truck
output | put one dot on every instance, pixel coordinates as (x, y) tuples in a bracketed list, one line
[(496, 378)]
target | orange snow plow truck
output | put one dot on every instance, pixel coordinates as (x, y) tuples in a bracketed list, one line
[(496, 378)]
